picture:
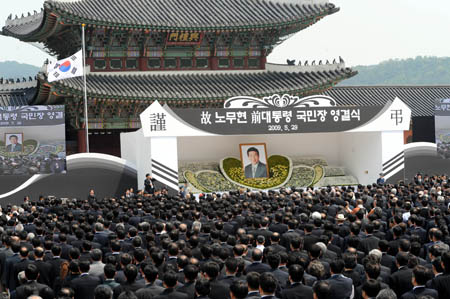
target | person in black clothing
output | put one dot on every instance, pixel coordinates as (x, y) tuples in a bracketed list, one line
[(149, 184), (238, 289), (141, 237)]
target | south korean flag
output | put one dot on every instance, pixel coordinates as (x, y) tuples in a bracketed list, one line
[(66, 68)]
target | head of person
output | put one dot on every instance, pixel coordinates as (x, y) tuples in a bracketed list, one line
[(238, 289), (253, 155), (103, 292), (267, 284), (322, 290), (371, 288), (31, 272), (421, 275), (13, 139), (170, 279), (203, 287)]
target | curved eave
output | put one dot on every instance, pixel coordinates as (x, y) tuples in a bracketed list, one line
[(39, 27), (36, 28), (194, 87)]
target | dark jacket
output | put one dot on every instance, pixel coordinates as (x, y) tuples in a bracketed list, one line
[(171, 293), (400, 281), (297, 291), (84, 286), (341, 286), (419, 292)]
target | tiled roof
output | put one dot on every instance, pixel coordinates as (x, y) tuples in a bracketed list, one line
[(17, 93), (169, 15), (217, 85), (420, 99), (189, 13)]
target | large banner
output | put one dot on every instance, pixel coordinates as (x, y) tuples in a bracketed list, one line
[(442, 127), (32, 140), (274, 115)]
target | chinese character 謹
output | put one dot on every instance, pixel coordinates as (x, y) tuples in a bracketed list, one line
[(158, 122)]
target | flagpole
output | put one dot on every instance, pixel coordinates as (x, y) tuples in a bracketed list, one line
[(86, 118)]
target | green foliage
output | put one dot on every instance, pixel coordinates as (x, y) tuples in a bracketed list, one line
[(318, 174), (192, 179), (13, 70), (417, 71), (214, 181), (302, 176)]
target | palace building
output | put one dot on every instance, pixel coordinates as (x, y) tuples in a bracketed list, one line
[(188, 53)]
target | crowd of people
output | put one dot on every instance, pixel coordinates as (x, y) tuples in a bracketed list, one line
[(376, 241)]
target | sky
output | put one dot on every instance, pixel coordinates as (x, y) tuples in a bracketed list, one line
[(363, 32)]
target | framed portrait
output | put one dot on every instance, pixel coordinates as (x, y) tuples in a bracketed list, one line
[(14, 142), (254, 160)]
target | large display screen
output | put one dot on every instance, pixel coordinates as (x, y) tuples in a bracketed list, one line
[(32, 140), (442, 127)]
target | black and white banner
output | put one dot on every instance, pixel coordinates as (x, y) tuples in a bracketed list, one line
[(274, 115)]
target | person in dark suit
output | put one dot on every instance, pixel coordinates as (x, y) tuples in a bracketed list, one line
[(238, 290), (257, 265), (45, 269), (219, 290), (84, 285), (14, 146), (8, 275), (31, 274), (322, 290), (253, 285), (401, 281), (419, 280), (371, 288), (442, 282), (149, 186), (170, 281), (190, 277), (341, 286), (256, 169), (296, 290), (267, 286), (18, 267), (150, 289), (130, 284), (370, 241)]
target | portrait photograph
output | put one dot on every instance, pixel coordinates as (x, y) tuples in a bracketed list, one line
[(254, 160), (14, 142)]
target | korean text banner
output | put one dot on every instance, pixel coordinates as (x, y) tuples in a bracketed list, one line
[(32, 140), (442, 127)]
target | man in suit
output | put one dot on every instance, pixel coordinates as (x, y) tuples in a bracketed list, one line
[(14, 146), (341, 286), (296, 290), (257, 265), (370, 241), (256, 169), (253, 285), (45, 268), (190, 277), (401, 281), (130, 284), (219, 290), (442, 282), (31, 274), (238, 290), (419, 280), (170, 281), (149, 184), (85, 283), (267, 286)]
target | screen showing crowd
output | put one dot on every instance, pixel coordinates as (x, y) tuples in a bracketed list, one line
[(33, 140)]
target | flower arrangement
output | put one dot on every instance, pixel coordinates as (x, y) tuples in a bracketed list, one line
[(279, 173)]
